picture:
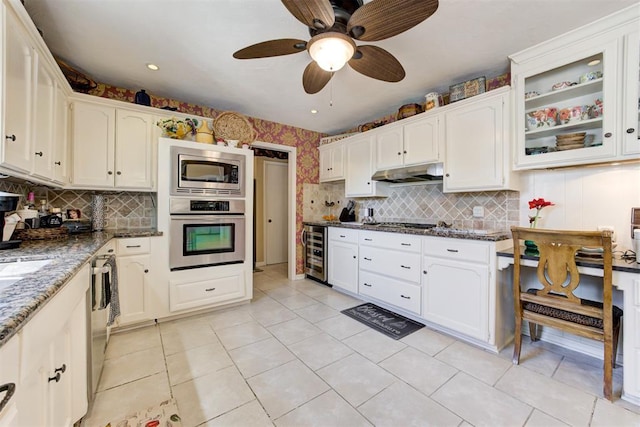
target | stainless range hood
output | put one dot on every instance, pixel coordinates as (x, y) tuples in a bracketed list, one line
[(419, 173)]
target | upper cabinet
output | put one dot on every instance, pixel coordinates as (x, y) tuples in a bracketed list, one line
[(112, 147), (409, 142), (576, 96), (360, 161), (332, 162), (477, 144)]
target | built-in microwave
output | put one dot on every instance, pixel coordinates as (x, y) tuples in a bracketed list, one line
[(207, 172)]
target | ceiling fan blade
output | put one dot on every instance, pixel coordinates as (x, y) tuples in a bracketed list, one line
[(271, 48), (381, 19), (377, 63), (312, 13), (315, 78)]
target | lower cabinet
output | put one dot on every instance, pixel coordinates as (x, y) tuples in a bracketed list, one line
[(343, 258), (10, 376), (53, 366), (190, 293), (395, 292), (133, 268)]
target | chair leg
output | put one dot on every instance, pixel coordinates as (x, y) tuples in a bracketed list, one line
[(616, 334), (533, 331), (608, 371), (517, 341)]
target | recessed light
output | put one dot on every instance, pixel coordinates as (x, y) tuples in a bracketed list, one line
[(314, 111), (594, 62), (153, 67)]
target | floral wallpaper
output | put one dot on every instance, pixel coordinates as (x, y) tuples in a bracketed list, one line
[(305, 141)]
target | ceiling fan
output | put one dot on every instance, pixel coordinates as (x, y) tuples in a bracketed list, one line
[(334, 25)]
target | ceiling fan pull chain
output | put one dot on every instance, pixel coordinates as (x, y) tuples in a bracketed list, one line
[(331, 91)]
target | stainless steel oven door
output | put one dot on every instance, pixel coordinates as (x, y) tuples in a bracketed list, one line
[(206, 240)]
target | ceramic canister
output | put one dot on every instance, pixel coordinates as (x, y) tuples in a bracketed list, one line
[(431, 101)]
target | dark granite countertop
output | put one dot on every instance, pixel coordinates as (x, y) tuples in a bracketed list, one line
[(618, 264), (453, 233), (22, 300)]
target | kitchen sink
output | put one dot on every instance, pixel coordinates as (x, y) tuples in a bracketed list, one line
[(12, 272)]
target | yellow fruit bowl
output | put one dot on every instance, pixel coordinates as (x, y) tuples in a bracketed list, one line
[(329, 217)]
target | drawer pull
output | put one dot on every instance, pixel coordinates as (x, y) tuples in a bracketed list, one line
[(368, 240), (55, 378), (61, 368), (210, 289), (367, 259), (133, 246), (452, 250), (366, 284), (10, 137), (405, 266), (404, 296), (405, 244), (343, 236)]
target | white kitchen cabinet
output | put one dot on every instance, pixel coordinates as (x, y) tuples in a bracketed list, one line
[(343, 259), (60, 156), (112, 147), (10, 374), (609, 47), (206, 289), (18, 100), (391, 291), (133, 259), (332, 165), (43, 140), (477, 144), (412, 141), (53, 367), (360, 158)]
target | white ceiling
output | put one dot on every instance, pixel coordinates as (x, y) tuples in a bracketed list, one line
[(193, 41)]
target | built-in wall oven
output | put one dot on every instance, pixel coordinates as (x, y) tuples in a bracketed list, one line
[(196, 172), (205, 233)]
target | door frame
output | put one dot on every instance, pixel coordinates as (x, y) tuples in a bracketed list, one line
[(265, 219), (291, 191)]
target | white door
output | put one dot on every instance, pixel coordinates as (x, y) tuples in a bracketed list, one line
[(275, 210)]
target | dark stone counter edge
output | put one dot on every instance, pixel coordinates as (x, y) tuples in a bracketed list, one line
[(618, 264), (416, 231)]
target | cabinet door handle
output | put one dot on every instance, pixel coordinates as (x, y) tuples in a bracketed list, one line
[(366, 284), (367, 259), (55, 378), (447, 175), (210, 289), (57, 163), (405, 151), (405, 244), (608, 135), (368, 240), (109, 173), (10, 388), (404, 296), (61, 369), (38, 153), (354, 257), (399, 153), (631, 130), (424, 271), (110, 250), (133, 246), (146, 270), (405, 266), (118, 173), (452, 250), (10, 137), (343, 236)]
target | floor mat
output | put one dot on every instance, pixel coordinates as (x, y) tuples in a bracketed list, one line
[(163, 415), (382, 320)]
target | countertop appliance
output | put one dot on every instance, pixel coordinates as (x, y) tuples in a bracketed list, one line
[(314, 240), (207, 172), (98, 306), (8, 203)]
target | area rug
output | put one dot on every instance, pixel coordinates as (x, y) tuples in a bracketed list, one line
[(382, 320), (163, 415)]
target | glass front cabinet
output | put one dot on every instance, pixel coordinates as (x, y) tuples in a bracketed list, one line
[(577, 98)]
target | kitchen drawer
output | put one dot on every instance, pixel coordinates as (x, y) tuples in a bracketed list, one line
[(343, 234), (460, 249), (391, 291), (398, 241), (193, 294), (399, 265), (133, 246)]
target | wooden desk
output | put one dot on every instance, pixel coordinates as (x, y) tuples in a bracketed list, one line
[(626, 277)]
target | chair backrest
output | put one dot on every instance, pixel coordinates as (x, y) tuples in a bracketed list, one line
[(557, 270)]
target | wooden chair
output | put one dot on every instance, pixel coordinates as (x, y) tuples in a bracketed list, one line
[(555, 304)]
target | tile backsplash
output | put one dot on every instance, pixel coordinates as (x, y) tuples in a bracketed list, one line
[(418, 203), (123, 209)]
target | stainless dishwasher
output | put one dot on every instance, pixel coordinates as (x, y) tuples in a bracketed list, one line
[(314, 240)]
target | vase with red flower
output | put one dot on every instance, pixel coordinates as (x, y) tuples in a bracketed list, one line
[(538, 204)]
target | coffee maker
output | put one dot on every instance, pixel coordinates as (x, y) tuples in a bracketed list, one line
[(8, 203)]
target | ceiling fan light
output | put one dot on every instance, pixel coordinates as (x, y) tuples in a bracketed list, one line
[(331, 50)]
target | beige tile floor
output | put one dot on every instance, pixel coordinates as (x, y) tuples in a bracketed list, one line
[(290, 358)]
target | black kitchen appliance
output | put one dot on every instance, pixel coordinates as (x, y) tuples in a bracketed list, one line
[(314, 239), (8, 203)]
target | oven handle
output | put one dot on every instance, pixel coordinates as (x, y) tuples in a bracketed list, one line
[(303, 236), (206, 217)]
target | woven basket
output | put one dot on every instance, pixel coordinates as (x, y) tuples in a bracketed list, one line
[(230, 125), (41, 233)]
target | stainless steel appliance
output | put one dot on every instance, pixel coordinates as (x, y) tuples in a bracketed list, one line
[(98, 306), (206, 172), (314, 240), (418, 173), (204, 233)]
